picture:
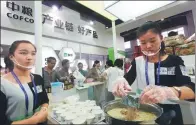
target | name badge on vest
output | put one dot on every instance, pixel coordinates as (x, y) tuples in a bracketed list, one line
[(39, 89), (171, 71), (163, 71)]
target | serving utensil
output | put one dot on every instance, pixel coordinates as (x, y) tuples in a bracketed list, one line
[(132, 99)]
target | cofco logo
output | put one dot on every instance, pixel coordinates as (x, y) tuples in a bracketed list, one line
[(24, 10)]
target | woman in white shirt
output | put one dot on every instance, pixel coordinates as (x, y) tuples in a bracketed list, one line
[(111, 74)]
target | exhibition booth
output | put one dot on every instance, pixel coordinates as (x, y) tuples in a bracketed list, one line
[(66, 35)]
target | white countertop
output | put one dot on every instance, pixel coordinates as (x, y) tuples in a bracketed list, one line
[(87, 85)]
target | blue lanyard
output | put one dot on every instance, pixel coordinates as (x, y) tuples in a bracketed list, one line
[(146, 71), (24, 91)]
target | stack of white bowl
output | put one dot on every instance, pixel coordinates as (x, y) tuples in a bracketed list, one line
[(78, 112)]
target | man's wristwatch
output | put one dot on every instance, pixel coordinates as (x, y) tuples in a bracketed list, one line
[(178, 90)]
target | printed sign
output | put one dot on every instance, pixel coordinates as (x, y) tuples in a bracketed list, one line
[(67, 53)]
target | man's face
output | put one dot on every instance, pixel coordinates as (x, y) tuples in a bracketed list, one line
[(67, 65), (80, 66), (52, 64)]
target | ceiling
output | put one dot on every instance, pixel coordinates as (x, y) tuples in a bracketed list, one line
[(161, 13), (173, 21), (85, 11), (99, 8)]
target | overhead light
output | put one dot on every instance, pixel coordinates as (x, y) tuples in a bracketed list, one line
[(162, 19), (55, 8), (127, 10), (106, 27), (91, 22)]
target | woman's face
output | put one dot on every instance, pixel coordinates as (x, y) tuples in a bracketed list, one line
[(98, 65), (24, 54), (80, 66), (150, 42)]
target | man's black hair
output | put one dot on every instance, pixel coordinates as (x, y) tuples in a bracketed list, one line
[(49, 59), (118, 63), (64, 62), (109, 63), (172, 33)]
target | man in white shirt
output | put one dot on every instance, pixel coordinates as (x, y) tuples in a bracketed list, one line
[(111, 74)]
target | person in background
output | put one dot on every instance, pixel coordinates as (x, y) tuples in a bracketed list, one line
[(95, 71), (127, 65), (109, 64), (158, 76), (64, 72), (172, 33), (22, 94), (80, 69), (8, 66), (112, 74), (49, 74)]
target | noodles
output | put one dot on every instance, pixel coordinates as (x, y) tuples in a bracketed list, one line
[(131, 114)]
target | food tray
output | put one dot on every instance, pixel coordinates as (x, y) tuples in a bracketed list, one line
[(185, 49), (62, 123)]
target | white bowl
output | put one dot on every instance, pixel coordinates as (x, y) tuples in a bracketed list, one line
[(64, 106), (58, 114), (75, 111), (63, 117), (54, 110), (93, 102), (79, 121), (98, 114), (87, 101), (96, 108), (69, 118), (70, 108), (90, 118), (81, 113), (87, 109)]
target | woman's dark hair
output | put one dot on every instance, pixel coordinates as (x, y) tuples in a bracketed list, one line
[(49, 59), (15, 44), (109, 63), (96, 62), (155, 28), (64, 62), (8, 63), (118, 63), (80, 63)]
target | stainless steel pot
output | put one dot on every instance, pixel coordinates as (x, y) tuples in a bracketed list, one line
[(153, 108)]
